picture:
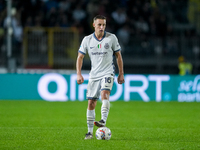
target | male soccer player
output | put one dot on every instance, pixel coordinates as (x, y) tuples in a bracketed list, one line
[(101, 46)]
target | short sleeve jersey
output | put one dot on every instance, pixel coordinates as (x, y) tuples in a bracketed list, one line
[(101, 54)]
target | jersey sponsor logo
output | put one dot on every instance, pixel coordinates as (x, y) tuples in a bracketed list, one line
[(106, 46), (91, 47), (99, 53)]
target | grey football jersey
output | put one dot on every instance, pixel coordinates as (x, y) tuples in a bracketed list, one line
[(101, 53)]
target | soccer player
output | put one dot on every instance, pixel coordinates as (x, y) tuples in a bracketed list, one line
[(101, 46)]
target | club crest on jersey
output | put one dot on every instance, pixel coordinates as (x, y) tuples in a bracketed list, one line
[(106, 46)]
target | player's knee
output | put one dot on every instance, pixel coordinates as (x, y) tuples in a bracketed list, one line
[(105, 94), (91, 104)]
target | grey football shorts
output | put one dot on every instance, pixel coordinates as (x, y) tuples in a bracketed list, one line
[(95, 87)]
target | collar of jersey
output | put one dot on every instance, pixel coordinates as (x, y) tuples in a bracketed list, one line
[(102, 37)]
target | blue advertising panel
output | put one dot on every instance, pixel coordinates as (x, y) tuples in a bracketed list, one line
[(58, 87)]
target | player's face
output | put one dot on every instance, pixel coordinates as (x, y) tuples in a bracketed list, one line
[(99, 25)]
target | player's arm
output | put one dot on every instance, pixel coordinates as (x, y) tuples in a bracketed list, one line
[(119, 59), (79, 63)]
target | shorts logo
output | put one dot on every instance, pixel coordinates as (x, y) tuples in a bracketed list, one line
[(106, 46)]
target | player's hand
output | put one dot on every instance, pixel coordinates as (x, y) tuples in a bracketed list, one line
[(120, 79), (80, 79)]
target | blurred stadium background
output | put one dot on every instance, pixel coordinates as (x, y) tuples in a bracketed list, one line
[(46, 34)]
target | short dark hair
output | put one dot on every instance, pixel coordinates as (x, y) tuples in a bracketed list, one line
[(99, 17)]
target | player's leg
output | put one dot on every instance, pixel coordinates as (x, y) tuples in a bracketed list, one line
[(105, 107), (92, 96), (106, 84), (90, 118)]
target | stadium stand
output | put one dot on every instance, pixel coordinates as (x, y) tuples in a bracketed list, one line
[(152, 33)]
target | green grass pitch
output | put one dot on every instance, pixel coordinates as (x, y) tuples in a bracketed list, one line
[(41, 125)]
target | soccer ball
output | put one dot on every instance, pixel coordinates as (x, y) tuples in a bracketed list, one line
[(103, 133)]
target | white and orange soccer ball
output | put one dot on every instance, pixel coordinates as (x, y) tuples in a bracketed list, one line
[(103, 133)]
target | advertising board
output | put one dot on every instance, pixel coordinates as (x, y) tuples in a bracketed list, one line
[(59, 87)]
